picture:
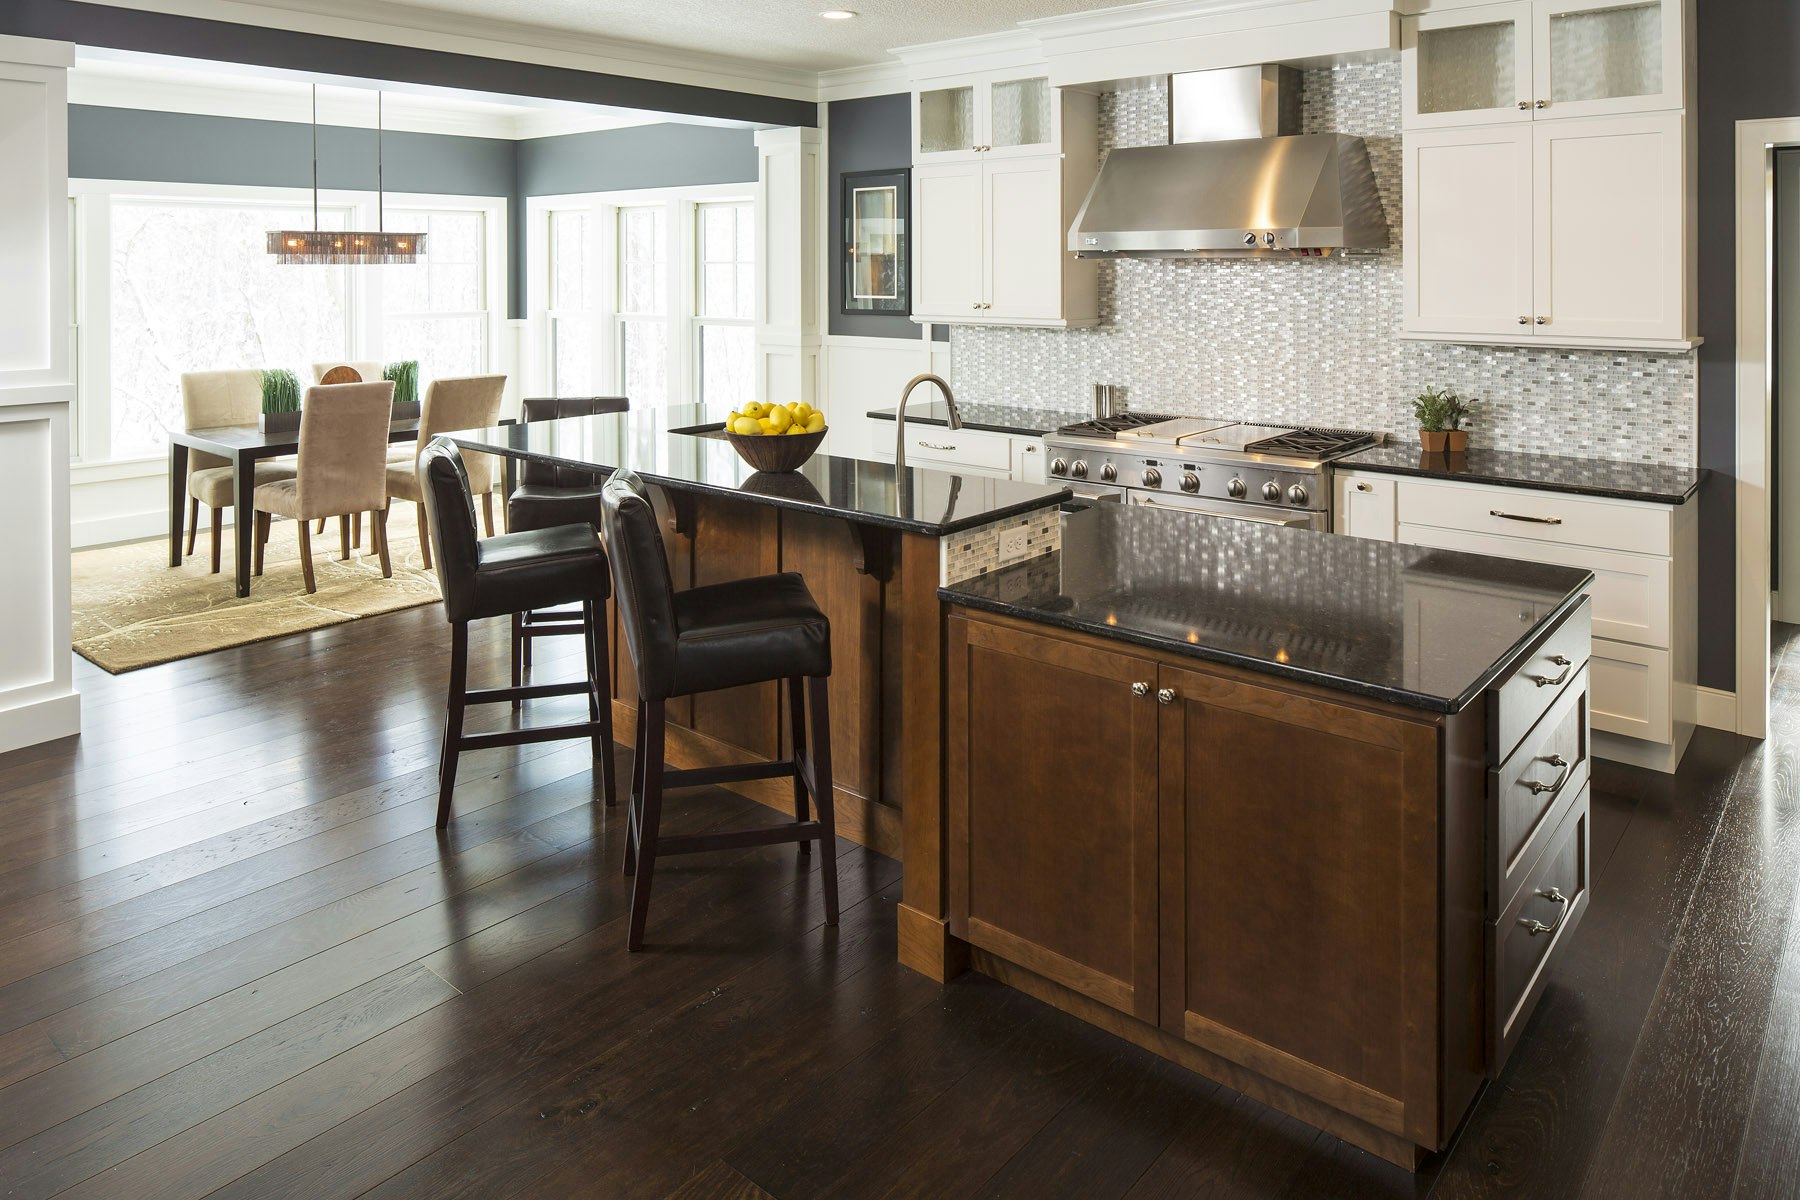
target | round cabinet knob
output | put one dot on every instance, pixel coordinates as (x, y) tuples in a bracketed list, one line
[(1109, 472), (1079, 470), (1297, 495), (1059, 466), (1140, 688), (1543, 320), (1543, 104), (1166, 696), (1524, 320), (1272, 491), (1237, 489), (1190, 482), (1152, 477), (1524, 106), (1249, 239)]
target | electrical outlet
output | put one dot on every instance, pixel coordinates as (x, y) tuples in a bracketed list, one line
[(1013, 543)]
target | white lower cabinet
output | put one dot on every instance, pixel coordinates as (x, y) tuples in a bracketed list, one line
[(1643, 556), (966, 451)]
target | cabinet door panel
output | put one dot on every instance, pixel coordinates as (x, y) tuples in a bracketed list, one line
[(1299, 933), (1052, 766), (1469, 66), (1599, 57), (947, 264), (1468, 204), (1610, 227), (1025, 236), (1365, 506)]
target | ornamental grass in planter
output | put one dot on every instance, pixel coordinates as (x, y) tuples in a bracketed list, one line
[(280, 402)]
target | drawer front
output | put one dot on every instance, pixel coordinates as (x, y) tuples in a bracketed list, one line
[(1524, 941), (1540, 516), (1517, 701), (957, 447), (1529, 794), (1632, 686), (1632, 592)]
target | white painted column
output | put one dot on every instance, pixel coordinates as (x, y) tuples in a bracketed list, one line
[(37, 696), (790, 305)]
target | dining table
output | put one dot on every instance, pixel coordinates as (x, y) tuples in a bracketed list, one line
[(243, 446)]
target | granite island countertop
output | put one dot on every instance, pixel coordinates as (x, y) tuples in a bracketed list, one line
[(1419, 627), (1016, 419), (1606, 478), (682, 447)]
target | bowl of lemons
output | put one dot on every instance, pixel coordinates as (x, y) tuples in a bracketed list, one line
[(775, 437)]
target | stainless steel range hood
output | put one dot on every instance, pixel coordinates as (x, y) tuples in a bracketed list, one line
[(1234, 181)]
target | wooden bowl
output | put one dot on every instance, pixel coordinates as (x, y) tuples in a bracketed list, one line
[(778, 451)]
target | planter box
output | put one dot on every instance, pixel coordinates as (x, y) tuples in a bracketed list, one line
[(288, 422), (406, 410)]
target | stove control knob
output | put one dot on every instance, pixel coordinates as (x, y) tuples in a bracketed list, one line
[(1249, 239), (1109, 472), (1237, 489), (1059, 466), (1079, 470), (1152, 477), (1272, 492), (1190, 482), (1297, 495)]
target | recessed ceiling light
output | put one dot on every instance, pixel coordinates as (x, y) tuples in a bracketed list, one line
[(837, 14)]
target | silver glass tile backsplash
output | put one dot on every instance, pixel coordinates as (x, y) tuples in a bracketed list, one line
[(1318, 340)]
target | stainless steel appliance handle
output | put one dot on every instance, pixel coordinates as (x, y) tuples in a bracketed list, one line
[(1538, 787), (1555, 896), (1506, 516), (1229, 516)]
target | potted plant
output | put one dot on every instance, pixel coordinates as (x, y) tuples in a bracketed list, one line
[(1441, 413), (405, 377), (1459, 412), (280, 402)]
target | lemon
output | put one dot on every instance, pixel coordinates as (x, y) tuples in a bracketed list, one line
[(816, 423), (781, 418), (756, 410), (796, 428), (748, 426), (802, 411)]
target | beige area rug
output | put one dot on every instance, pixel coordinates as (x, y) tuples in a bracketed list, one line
[(131, 609)]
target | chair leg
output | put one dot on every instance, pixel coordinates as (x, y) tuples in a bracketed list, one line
[(525, 656), (648, 821), (306, 566), (797, 723), (356, 530), (822, 796), (321, 525), (637, 794), (518, 661), (600, 704), (424, 537), (262, 539), (218, 537), (378, 535), (343, 538), (487, 512), (453, 718), (193, 524)]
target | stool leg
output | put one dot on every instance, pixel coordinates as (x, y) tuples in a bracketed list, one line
[(637, 794), (797, 722), (453, 718), (518, 660), (821, 765), (647, 827), (600, 705)]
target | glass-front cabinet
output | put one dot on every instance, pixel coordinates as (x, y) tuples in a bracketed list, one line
[(1529, 60), (1002, 115)]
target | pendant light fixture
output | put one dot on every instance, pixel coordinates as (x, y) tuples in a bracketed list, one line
[(330, 247)]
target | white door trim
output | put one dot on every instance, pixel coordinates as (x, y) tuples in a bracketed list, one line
[(1756, 141)]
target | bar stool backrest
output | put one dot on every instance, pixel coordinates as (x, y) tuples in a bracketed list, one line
[(450, 512), (642, 587), (550, 408)]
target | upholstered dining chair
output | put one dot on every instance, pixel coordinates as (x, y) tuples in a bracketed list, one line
[(342, 470), (461, 402), (210, 399)]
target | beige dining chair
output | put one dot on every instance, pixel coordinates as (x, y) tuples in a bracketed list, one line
[(343, 459), (461, 402), (210, 399)]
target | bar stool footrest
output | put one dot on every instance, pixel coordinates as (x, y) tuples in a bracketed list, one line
[(737, 839), (730, 773), (536, 691), (524, 737)]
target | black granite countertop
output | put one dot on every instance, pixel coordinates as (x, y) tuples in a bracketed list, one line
[(1424, 628), (1541, 472), (1015, 419), (674, 447)]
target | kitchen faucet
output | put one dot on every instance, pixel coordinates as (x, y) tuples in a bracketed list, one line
[(900, 417)]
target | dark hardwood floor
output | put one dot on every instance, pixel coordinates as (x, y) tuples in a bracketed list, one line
[(237, 960)]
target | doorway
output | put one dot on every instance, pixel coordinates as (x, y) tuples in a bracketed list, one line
[(1784, 400)]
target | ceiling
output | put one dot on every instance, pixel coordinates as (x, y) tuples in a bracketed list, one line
[(783, 33)]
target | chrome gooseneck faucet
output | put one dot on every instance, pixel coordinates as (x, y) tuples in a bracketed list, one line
[(900, 417)]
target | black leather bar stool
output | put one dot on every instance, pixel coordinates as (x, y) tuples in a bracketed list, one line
[(547, 496), (701, 640), (541, 568)]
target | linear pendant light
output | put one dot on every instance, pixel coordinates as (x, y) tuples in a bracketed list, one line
[(330, 247)]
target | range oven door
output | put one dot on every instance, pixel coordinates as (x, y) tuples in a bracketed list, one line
[(1295, 519)]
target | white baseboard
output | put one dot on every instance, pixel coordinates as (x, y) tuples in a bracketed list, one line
[(1653, 756), (1716, 709), (40, 720)]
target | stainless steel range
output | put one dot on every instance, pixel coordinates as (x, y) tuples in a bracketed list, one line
[(1275, 474)]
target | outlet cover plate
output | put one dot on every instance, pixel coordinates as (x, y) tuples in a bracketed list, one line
[(1013, 543)]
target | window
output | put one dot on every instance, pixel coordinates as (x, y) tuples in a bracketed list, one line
[(643, 304), (726, 303), (574, 361), (436, 310)]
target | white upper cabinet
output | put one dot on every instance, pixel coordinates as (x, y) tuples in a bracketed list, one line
[(948, 239), (1534, 60), (1468, 219), (1004, 114)]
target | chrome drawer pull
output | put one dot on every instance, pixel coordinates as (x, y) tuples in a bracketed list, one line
[(1536, 927), (1559, 678), (1555, 785), (936, 446), (1506, 516)]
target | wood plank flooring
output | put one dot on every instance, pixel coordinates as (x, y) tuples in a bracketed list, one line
[(236, 960)]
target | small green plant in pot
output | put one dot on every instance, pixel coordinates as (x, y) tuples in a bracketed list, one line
[(280, 401), (405, 378), (1441, 414)]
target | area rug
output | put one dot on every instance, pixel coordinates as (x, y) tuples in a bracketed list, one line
[(132, 610)]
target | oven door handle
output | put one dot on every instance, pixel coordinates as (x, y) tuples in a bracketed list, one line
[(1288, 522)]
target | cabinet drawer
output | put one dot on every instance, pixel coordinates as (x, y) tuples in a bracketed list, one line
[(1541, 918), (952, 447), (1530, 792), (1632, 686), (1516, 702), (1537, 516)]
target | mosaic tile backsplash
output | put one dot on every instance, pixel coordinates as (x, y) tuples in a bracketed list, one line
[(1318, 340)]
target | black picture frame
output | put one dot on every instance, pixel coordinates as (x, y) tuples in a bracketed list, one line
[(875, 243)]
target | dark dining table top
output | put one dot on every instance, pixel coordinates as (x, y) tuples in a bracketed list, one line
[(250, 438)]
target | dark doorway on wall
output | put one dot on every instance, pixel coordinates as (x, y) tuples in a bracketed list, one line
[(1784, 354)]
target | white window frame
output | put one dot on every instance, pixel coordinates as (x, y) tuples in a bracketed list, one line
[(92, 255)]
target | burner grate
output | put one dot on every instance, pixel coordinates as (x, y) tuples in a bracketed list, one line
[(1112, 426), (1314, 443)]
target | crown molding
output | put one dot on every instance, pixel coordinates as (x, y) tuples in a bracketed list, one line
[(1005, 50), (853, 83)]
